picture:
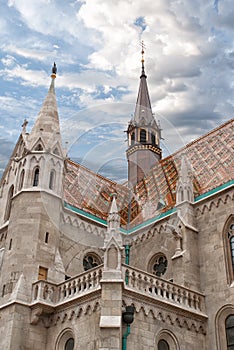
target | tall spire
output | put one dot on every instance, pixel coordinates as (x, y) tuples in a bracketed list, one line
[(143, 134), (143, 112), (47, 126)]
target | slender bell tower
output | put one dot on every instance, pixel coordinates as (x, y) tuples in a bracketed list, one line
[(143, 134)]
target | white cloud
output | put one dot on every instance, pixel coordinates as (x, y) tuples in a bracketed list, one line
[(188, 59), (8, 61)]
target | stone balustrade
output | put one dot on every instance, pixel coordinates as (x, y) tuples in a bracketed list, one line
[(162, 290), (51, 293), (135, 280)]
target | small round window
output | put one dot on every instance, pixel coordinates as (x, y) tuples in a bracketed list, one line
[(69, 344), (90, 261), (158, 265)]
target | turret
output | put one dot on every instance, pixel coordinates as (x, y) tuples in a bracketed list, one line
[(31, 193), (143, 134)]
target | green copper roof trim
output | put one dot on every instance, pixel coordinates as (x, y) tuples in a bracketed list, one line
[(103, 222), (215, 190), (84, 213), (150, 221)]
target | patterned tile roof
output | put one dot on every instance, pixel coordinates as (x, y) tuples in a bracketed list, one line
[(212, 162)]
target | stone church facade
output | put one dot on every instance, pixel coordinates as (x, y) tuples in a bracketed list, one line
[(89, 264)]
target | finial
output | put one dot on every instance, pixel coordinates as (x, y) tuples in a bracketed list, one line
[(54, 71), (142, 56), (113, 208), (24, 126)]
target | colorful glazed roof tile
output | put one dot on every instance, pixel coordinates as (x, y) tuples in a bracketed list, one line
[(212, 164)]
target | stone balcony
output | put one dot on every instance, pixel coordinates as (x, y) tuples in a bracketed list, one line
[(139, 284), (56, 294), (143, 284)]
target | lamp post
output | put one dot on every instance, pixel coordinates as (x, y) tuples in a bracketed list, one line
[(128, 317)]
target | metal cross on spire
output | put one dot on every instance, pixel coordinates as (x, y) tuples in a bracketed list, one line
[(142, 50), (142, 56)]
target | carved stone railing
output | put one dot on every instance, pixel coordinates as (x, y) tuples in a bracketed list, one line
[(163, 290), (54, 294)]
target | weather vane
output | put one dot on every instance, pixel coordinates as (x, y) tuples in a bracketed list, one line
[(54, 69)]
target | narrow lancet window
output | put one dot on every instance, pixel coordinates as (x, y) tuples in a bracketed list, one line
[(228, 236), (47, 237), (36, 177), (9, 203), (51, 181), (142, 136), (21, 181)]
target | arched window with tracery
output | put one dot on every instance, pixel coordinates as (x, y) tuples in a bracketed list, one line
[(9, 203), (229, 325), (90, 261), (158, 265), (36, 177), (228, 235)]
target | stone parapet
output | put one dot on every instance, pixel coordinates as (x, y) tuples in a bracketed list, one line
[(163, 291)]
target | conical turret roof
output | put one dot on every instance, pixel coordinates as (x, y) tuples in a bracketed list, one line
[(47, 126), (143, 112)]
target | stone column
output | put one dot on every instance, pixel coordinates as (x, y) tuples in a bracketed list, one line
[(112, 285)]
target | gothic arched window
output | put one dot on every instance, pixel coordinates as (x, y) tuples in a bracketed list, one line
[(153, 139), (69, 344), (163, 345), (21, 181), (52, 180), (143, 136), (66, 340), (229, 324), (231, 242), (90, 261), (228, 235), (9, 203), (36, 177)]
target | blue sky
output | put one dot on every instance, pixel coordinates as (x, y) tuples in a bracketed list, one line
[(189, 62)]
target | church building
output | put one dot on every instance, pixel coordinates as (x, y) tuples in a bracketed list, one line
[(90, 264)]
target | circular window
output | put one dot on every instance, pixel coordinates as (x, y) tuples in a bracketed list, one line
[(90, 261), (158, 265), (69, 344)]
